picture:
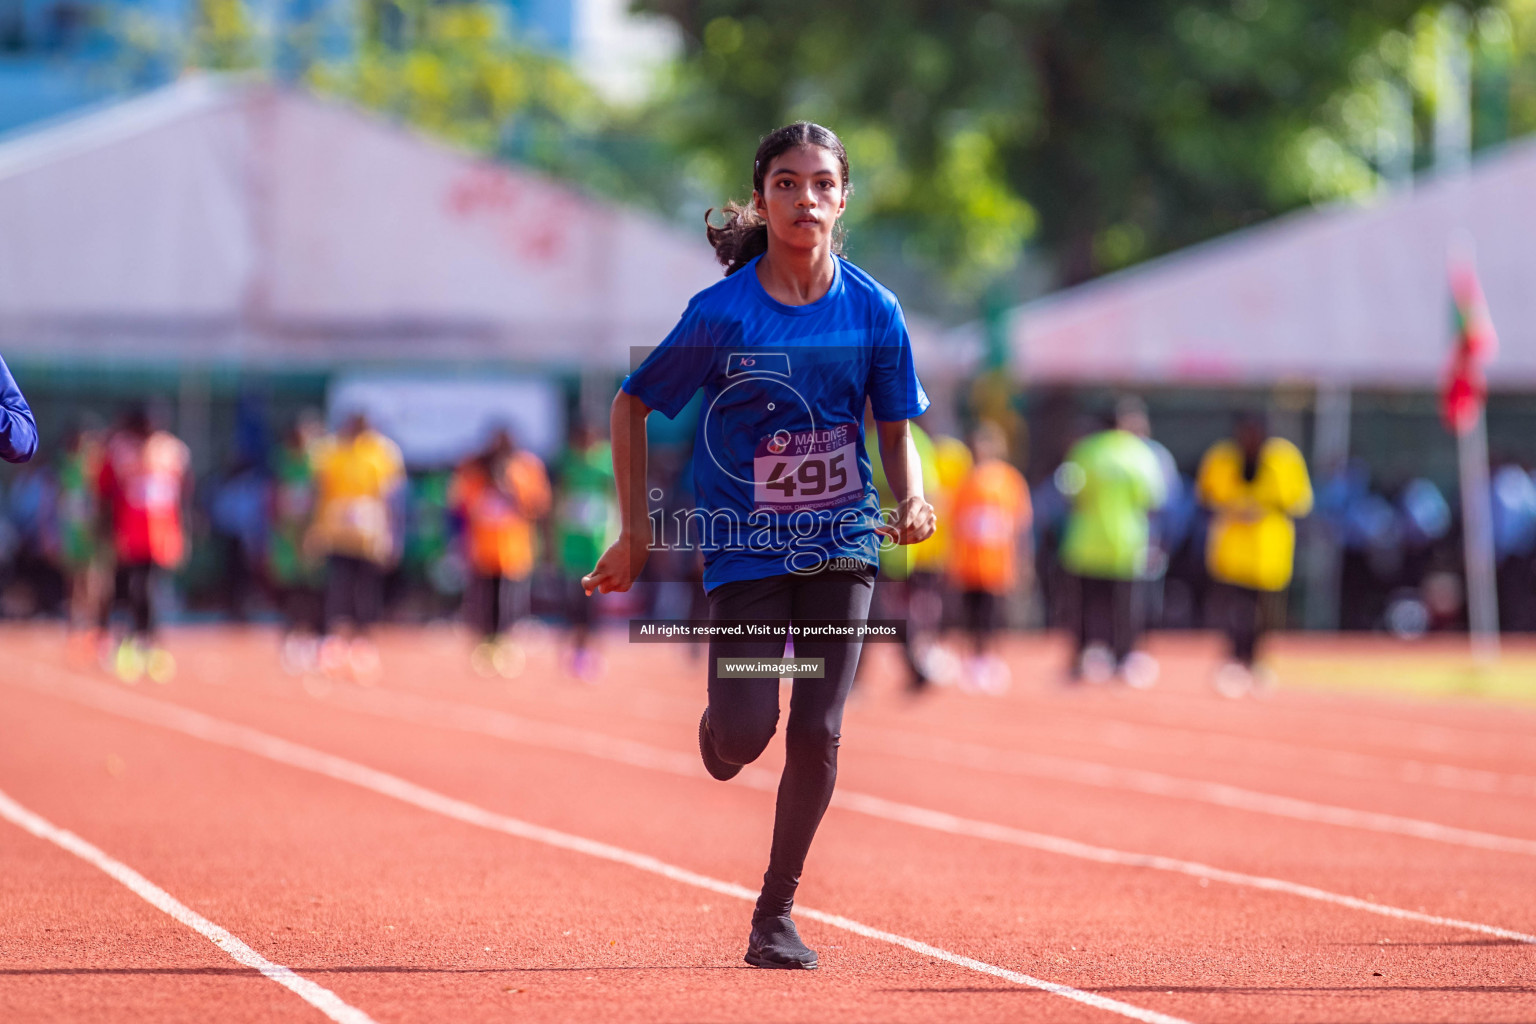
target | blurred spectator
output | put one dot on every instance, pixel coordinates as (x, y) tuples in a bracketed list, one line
[(237, 514), (430, 564), (931, 601), (990, 550), (144, 481), (357, 473), (294, 571), (1114, 480), (1167, 522), (81, 557), (1514, 543), (35, 584), (1255, 486), (894, 586), (585, 523), (499, 495)]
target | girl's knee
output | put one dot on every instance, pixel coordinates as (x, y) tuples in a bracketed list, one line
[(741, 741), (816, 741)]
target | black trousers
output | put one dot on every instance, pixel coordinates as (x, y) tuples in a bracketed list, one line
[(744, 712), (354, 591), (133, 585), (895, 599), (1107, 614), (495, 603), (1243, 615), (303, 609), (981, 610)]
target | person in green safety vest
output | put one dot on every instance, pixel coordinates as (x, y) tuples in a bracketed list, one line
[(902, 587), (1114, 481), (81, 557), (585, 523), (295, 573)]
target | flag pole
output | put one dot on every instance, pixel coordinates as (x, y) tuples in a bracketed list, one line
[(1477, 540)]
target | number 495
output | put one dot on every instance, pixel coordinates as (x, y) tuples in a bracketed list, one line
[(815, 476)]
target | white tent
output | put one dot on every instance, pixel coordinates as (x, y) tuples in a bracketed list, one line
[(220, 222), (1347, 295)]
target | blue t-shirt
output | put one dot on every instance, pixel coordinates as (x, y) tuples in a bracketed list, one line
[(779, 464)]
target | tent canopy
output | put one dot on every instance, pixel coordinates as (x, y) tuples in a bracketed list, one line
[(1345, 294), (216, 221)]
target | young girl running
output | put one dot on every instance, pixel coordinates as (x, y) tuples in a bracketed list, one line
[(788, 349)]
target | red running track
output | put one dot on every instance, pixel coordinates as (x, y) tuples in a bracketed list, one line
[(1003, 830)]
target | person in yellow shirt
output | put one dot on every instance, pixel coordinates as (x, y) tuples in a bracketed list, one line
[(498, 496), (357, 471), (1255, 486), (989, 552)]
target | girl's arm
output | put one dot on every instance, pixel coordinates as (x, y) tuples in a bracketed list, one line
[(904, 472), (18, 427), (624, 559)]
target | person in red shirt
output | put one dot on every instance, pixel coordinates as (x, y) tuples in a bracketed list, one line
[(142, 485)]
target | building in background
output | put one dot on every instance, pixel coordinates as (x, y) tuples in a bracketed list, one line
[(58, 56)]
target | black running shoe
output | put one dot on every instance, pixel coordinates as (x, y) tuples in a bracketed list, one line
[(775, 943), (721, 770)]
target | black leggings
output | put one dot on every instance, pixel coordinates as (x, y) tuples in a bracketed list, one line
[(980, 608), (354, 592), (1245, 618), (744, 712), (133, 585), (495, 604), (1107, 613)]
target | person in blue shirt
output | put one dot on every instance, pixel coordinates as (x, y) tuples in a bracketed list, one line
[(18, 427), (787, 350)]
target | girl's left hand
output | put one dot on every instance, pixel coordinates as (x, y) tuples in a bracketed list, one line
[(914, 522)]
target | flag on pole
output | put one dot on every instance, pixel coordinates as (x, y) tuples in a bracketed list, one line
[(1466, 388)]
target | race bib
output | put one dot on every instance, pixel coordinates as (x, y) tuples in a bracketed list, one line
[(809, 469)]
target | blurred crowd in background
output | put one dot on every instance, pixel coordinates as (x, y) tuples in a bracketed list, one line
[(328, 533)]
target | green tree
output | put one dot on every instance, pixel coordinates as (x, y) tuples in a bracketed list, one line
[(1104, 130)]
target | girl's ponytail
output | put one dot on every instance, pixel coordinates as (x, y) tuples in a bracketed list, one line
[(740, 239)]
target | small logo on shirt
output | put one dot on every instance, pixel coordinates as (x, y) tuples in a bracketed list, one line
[(739, 363)]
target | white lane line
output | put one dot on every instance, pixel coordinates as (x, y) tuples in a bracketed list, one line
[(322, 999), (500, 725), (252, 741), (1161, 739), (1167, 741), (475, 718), (1137, 780)]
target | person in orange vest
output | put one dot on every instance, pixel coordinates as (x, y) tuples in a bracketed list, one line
[(990, 550), (498, 495), (144, 479)]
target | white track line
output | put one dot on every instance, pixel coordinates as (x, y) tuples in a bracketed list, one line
[(476, 718), (1137, 780), (252, 741), (500, 725), (322, 999), (1163, 740)]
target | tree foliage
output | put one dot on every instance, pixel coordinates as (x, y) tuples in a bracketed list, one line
[(1103, 130)]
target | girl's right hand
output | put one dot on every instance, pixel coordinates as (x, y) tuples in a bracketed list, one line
[(620, 564)]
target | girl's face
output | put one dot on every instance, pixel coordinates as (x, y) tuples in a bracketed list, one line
[(802, 197)]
